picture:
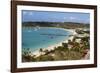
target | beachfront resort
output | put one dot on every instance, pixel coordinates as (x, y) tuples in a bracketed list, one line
[(76, 47)]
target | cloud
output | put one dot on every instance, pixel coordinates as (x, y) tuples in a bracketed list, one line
[(65, 18), (30, 13), (25, 12), (72, 18)]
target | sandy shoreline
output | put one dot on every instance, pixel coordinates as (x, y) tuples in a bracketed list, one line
[(37, 53)]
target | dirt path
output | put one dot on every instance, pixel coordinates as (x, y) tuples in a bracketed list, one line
[(87, 56)]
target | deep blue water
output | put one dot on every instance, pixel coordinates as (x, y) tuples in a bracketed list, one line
[(34, 38)]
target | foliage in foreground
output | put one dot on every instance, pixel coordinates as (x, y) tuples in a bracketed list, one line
[(76, 52)]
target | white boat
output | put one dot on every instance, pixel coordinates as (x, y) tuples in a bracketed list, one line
[(35, 29)]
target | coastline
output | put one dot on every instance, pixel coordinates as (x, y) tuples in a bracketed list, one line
[(37, 53)]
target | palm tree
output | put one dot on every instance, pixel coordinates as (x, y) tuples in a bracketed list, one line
[(46, 51), (41, 50), (69, 41)]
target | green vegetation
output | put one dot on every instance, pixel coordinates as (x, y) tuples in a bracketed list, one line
[(26, 56), (67, 25), (68, 51)]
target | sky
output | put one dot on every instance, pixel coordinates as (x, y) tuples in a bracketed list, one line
[(51, 16)]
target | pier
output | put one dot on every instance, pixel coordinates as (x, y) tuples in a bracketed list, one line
[(54, 34)]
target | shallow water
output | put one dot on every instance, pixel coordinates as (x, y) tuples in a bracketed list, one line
[(36, 38)]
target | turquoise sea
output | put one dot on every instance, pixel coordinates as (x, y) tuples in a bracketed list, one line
[(36, 38)]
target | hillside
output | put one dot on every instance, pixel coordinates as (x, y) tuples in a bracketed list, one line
[(55, 24)]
